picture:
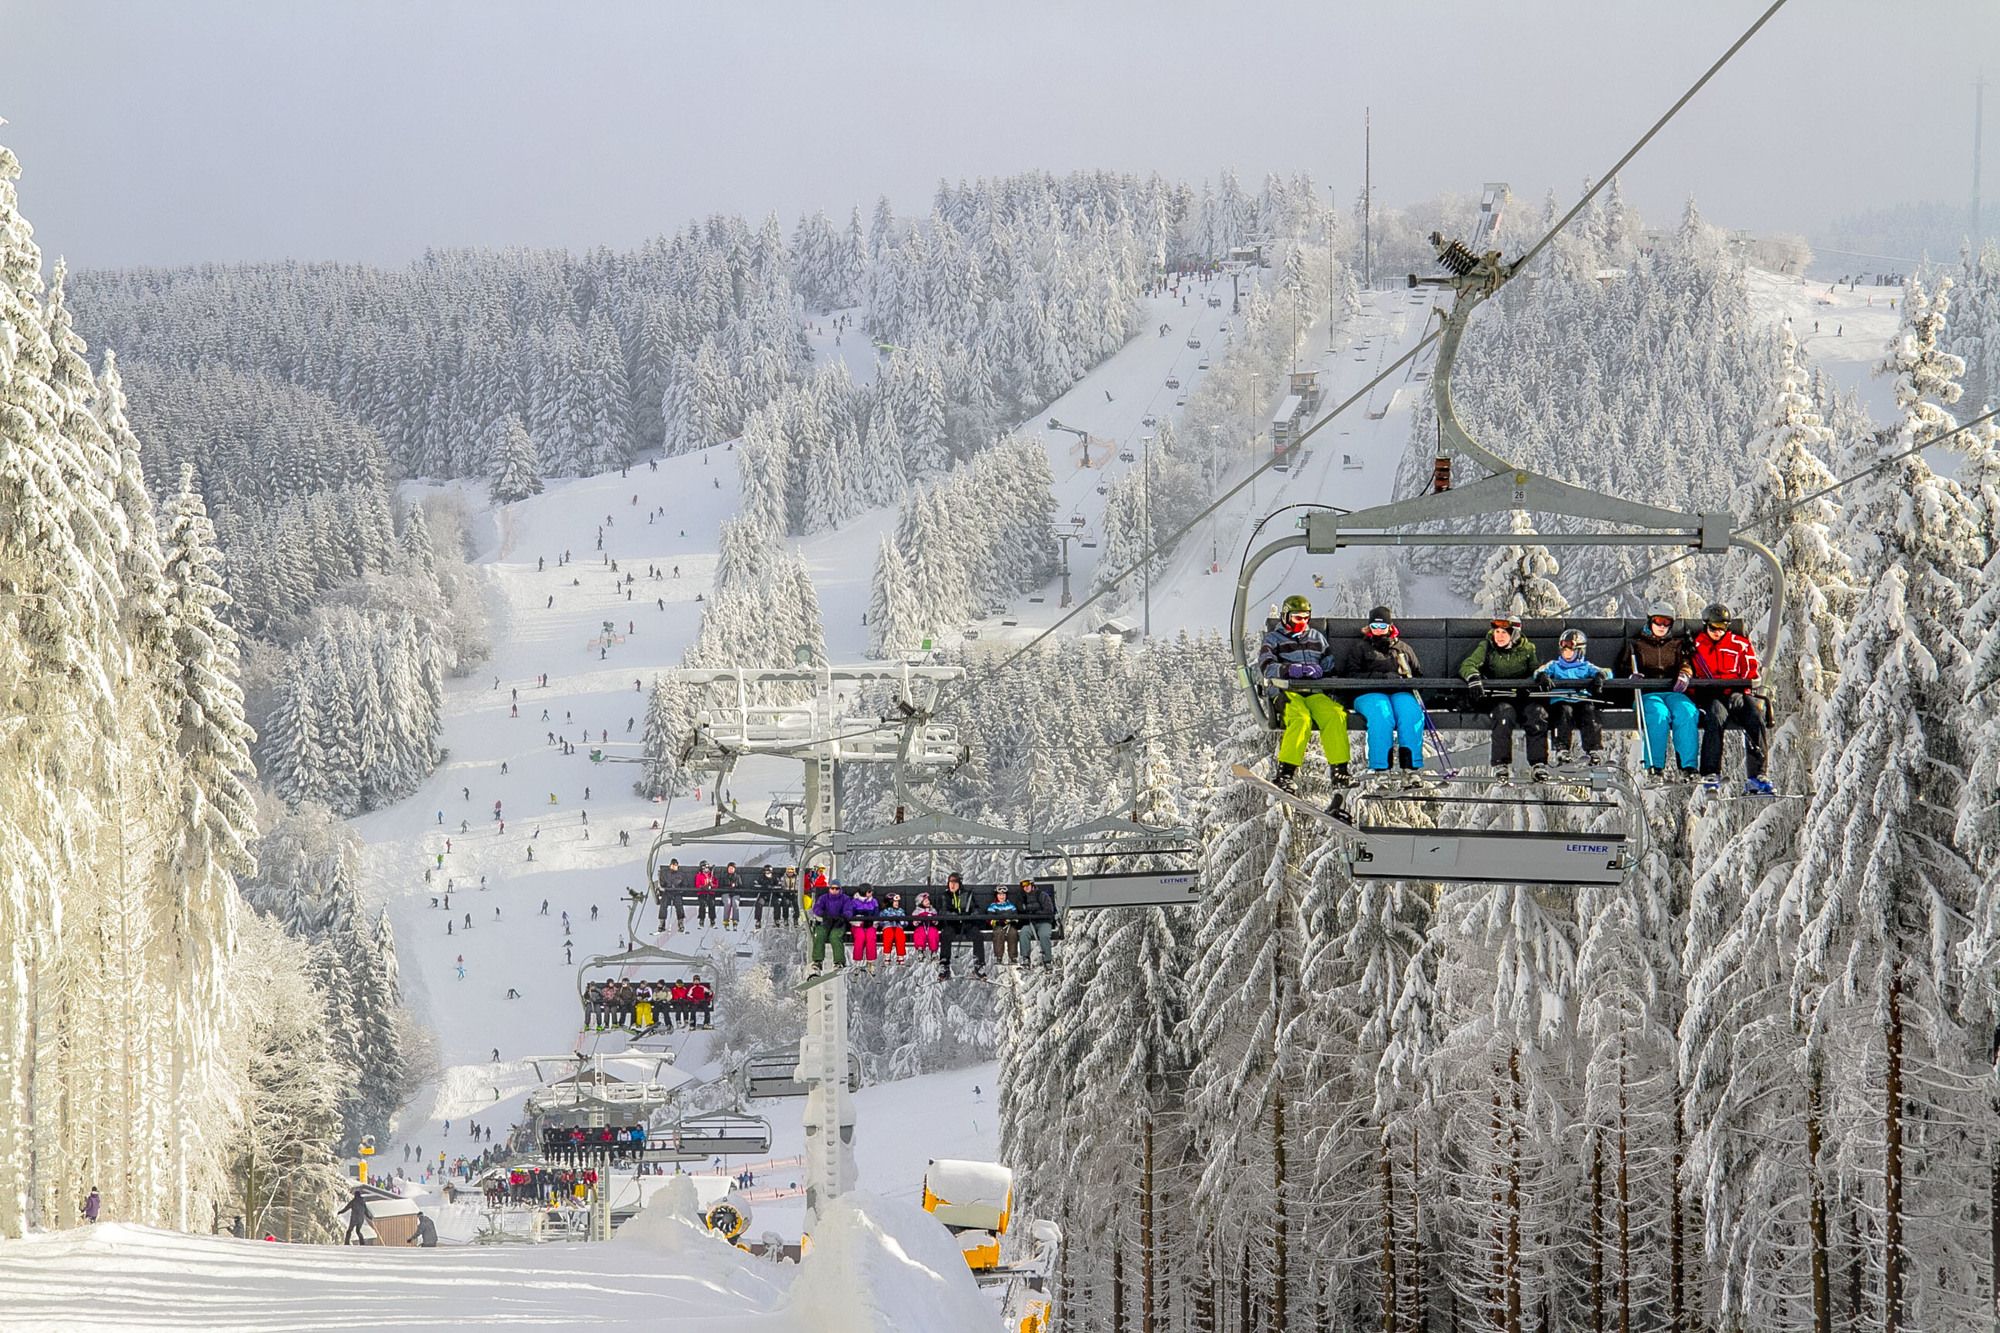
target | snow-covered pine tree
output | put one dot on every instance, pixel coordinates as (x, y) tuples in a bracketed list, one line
[(1885, 891), (517, 472), (1519, 579), (1757, 1102)]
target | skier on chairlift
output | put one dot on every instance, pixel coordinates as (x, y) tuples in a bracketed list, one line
[(1505, 654), (1720, 653), (1297, 651), (1657, 653), (1395, 717), (1575, 683)]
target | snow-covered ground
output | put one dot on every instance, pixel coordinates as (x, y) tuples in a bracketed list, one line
[(878, 1263), (1844, 331)]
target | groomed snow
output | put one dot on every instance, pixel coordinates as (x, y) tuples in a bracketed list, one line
[(880, 1265)]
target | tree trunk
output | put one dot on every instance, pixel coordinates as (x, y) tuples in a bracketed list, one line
[(1624, 1202), (1496, 1287), (1117, 1279), (1892, 1160), (1676, 1252), (1596, 1233), (1993, 1239), (1514, 1195), (1388, 1175), (1281, 1238), (1822, 1300), (1203, 1299), (1857, 1259), (1419, 1301), (1146, 1226), (1243, 1293)]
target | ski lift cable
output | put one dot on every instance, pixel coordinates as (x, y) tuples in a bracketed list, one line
[(1435, 335), (1800, 503)]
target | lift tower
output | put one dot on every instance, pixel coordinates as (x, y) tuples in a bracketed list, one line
[(738, 719)]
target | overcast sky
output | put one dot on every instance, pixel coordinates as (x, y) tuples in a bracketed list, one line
[(159, 133)]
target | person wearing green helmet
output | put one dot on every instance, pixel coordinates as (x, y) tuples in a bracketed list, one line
[(1295, 651)]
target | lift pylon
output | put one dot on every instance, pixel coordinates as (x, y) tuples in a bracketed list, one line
[(735, 720)]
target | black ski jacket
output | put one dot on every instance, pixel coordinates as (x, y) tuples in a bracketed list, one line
[(1379, 658)]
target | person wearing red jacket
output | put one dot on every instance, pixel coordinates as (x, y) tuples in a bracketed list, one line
[(701, 1003), (1719, 653)]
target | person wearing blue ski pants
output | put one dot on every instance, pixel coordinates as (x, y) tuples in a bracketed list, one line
[(1664, 711), (1393, 720)]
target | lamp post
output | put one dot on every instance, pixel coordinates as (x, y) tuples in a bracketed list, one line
[(1146, 502), (1329, 275)]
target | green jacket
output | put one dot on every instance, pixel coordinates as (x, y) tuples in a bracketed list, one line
[(1517, 661)]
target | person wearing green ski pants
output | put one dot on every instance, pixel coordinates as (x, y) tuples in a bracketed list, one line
[(1303, 712)]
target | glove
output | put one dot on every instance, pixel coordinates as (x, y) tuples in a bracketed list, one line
[(1294, 670), (1476, 685), (1595, 685), (1311, 670), (1680, 684), (1542, 680)]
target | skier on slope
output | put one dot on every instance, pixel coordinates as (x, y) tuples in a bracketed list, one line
[(1505, 654), (1657, 653), (1395, 717), (1297, 651), (356, 1212), (1573, 706), (1720, 653)]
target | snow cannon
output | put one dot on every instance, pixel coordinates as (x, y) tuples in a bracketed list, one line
[(728, 1219), (975, 1201)]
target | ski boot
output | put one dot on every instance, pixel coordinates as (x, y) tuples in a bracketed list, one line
[(1758, 787), (1541, 773), (1594, 758), (1337, 775)]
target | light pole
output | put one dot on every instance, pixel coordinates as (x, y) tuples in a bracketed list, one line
[(1146, 502), (1329, 274)]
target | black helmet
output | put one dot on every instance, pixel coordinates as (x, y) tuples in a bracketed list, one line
[(1715, 614)]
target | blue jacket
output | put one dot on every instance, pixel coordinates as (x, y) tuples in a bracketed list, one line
[(863, 906), (1560, 672), (833, 906), (1282, 648)]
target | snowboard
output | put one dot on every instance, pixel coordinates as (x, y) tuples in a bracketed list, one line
[(1342, 827)]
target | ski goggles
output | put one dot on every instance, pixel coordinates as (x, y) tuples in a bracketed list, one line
[(1668, 621), (1378, 627), (1508, 625), (1715, 624)]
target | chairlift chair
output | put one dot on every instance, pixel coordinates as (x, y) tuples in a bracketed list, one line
[(1380, 844), (723, 1134)]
